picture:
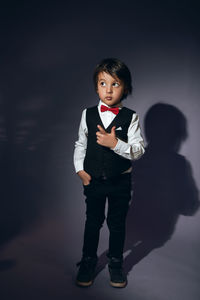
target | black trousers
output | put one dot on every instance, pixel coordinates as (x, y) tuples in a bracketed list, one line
[(117, 191)]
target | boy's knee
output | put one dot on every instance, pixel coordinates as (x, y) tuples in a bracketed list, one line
[(115, 225), (95, 221)]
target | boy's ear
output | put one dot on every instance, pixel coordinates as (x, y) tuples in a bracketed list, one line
[(125, 92)]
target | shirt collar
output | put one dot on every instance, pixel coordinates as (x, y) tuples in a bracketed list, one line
[(102, 103)]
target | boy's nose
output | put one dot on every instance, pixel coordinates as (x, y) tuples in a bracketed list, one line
[(109, 89)]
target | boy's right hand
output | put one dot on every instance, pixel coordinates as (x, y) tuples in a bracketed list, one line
[(85, 177)]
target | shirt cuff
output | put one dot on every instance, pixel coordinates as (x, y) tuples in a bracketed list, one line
[(122, 147), (133, 152), (78, 166)]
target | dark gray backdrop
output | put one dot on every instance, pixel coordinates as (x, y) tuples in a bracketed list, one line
[(48, 53)]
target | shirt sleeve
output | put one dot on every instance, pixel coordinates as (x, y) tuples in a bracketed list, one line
[(134, 148), (81, 144)]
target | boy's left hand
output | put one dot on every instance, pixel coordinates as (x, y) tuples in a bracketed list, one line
[(106, 139)]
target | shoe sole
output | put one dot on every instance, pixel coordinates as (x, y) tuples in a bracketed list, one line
[(84, 284), (118, 284)]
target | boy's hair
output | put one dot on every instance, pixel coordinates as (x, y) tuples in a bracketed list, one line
[(115, 68)]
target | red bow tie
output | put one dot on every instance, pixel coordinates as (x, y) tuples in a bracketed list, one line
[(115, 110)]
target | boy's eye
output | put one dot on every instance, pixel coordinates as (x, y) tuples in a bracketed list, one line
[(115, 84), (102, 83)]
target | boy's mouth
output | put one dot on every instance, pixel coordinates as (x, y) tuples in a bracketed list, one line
[(108, 98)]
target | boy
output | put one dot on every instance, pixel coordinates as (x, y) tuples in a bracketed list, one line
[(109, 138)]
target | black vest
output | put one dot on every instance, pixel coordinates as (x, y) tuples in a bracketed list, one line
[(99, 160)]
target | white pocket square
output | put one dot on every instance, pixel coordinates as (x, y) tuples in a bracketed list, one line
[(119, 128)]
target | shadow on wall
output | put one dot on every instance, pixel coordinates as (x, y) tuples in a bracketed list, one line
[(163, 186)]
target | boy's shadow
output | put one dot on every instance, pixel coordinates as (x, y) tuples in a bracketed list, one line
[(163, 186)]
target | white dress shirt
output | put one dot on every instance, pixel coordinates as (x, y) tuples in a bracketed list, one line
[(132, 150)]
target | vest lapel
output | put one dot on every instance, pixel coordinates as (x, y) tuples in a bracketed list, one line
[(99, 118)]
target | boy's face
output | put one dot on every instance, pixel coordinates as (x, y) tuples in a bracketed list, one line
[(110, 89)]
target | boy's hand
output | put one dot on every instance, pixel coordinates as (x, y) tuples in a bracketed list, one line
[(85, 177), (106, 139)]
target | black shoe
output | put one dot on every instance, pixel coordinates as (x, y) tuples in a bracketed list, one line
[(85, 274), (117, 278)]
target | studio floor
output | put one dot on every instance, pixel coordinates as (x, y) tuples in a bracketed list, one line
[(40, 263)]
